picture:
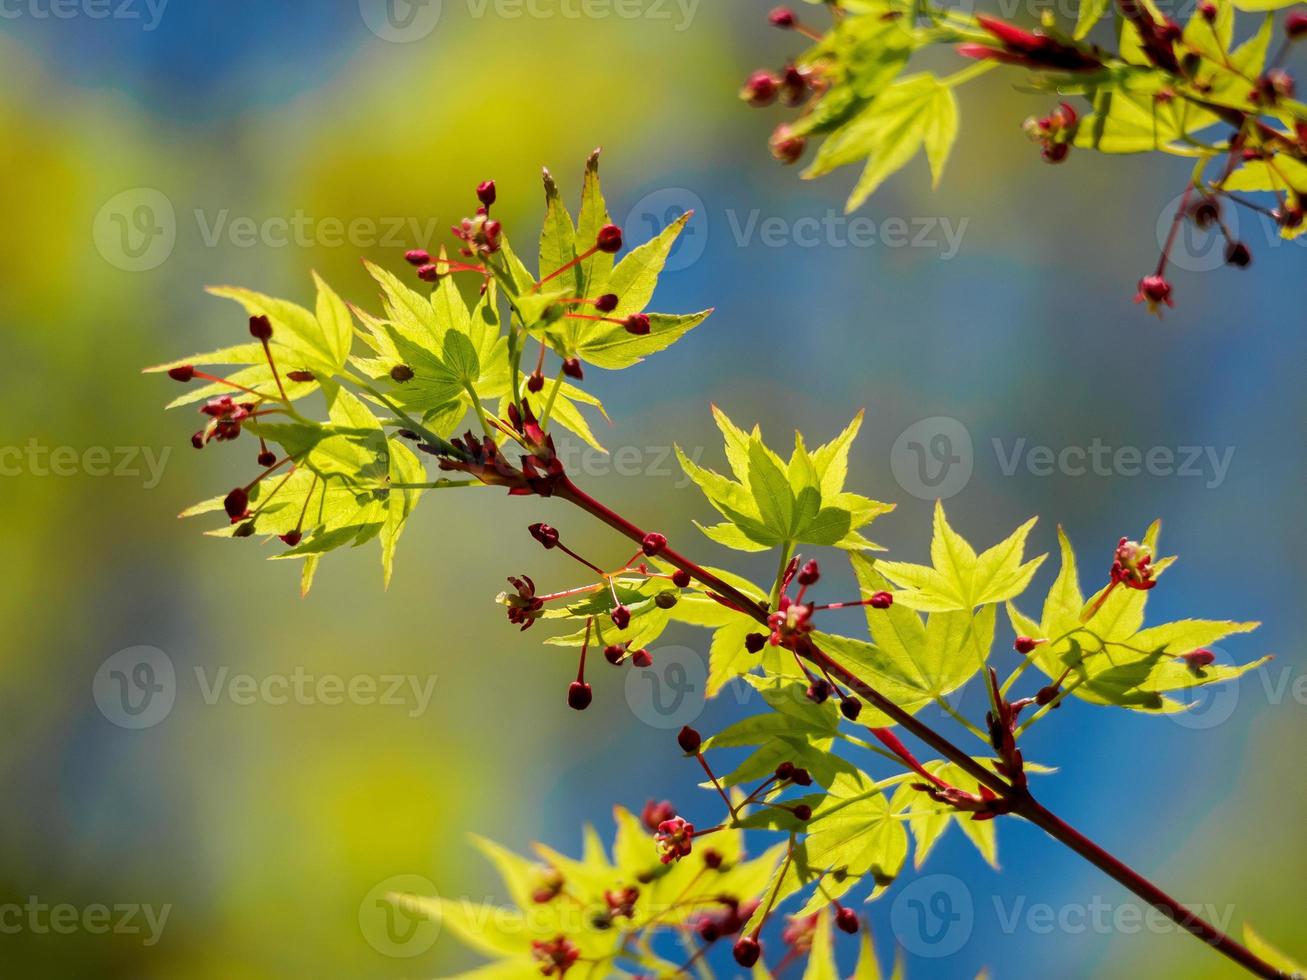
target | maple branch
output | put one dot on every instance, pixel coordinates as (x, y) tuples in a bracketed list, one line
[(1023, 803)]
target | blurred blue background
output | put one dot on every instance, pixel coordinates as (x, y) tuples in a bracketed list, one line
[(147, 156)]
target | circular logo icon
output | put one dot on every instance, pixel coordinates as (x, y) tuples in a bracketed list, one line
[(1196, 249), (401, 21), (933, 459), (1209, 704), (395, 927), (136, 230), (670, 692), (652, 214), (933, 916), (136, 687)]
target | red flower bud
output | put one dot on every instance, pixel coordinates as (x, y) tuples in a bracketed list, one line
[(545, 534), (881, 600), (417, 256), (609, 239), (1208, 11), (746, 952), (801, 777), (785, 771), (785, 146), (572, 368), (819, 690), (266, 459), (1055, 152), (846, 920), (637, 323), (754, 642), (429, 273), (1295, 25), (535, 382), (642, 658), (1238, 255), (803, 812), (1198, 659), (689, 741), (291, 538), (1154, 290), (681, 578), (614, 653), (486, 192), (761, 89), (579, 695), (1025, 644), (809, 573), (260, 327), (782, 17), (184, 373), (851, 707), (621, 617), (607, 303), (653, 543), (236, 504), (654, 814)]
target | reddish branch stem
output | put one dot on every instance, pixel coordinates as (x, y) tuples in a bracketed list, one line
[(1023, 803)]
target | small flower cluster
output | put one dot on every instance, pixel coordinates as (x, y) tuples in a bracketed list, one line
[(792, 622), (793, 86), (525, 605), (1054, 132)]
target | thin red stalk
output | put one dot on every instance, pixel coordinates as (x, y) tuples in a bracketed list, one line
[(1023, 804), (267, 352), (567, 265), (230, 384), (725, 799)]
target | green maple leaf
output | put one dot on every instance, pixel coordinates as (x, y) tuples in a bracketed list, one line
[(598, 342), (1112, 658), (959, 578), (772, 502)]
